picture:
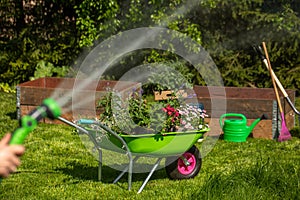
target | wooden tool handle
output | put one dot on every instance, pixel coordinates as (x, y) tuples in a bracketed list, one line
[(276, 79), (272, 76)]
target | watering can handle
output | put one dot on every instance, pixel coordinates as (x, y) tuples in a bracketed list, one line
[(227, 115)]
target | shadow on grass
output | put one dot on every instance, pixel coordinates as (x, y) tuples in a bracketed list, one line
[(85, 172), (12, 115), (295, 132)]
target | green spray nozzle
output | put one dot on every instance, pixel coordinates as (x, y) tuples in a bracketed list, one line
[(49, 108)]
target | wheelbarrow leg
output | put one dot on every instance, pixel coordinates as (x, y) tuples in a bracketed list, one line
[(128, 169), (100, 165), (130, 173), (149, 175)]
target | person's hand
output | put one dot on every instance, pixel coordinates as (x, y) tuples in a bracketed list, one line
[(9, 156)]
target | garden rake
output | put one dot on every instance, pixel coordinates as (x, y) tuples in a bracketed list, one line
[(284, 132)]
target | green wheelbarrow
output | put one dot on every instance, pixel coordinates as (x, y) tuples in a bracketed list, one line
[(182, 158)]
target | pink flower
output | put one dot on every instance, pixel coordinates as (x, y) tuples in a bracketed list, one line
[(183, 122), (170, 108)]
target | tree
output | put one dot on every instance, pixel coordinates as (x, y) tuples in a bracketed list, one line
[(54, 33), (35, 31), (242, 24)]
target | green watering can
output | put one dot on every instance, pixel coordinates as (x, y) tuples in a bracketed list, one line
[(235, 127)]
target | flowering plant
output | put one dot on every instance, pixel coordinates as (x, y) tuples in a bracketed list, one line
[(139, 116), (173, 119), (184, 118), (192, 117)]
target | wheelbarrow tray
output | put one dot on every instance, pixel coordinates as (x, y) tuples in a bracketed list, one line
[(163, 144), (158, 145)]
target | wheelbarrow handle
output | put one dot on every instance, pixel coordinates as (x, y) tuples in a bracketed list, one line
[(86, 121)]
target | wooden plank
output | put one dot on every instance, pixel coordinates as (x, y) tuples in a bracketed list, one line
[(250, 108), (169, 94), (263, 129), (238, 92), (32, 94)]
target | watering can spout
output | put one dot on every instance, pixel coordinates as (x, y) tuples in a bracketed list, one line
[(251, 127), (235, 126)]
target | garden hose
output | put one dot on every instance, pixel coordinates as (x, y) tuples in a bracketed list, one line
[(49, 108), (28, 123)]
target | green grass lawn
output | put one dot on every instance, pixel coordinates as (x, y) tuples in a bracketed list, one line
[(57, 165)]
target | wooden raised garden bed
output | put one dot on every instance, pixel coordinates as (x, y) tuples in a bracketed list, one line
[(31, 94), (252, 102)]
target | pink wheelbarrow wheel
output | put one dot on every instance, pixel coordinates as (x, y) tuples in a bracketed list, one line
[(186, 166)]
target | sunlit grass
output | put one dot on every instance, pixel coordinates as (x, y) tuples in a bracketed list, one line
[(57, 165)]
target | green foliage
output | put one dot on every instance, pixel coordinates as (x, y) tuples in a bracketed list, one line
[(173, 76), (124, 114), (6, 88), (96, 20), (43, 32), (242, 24), (55, 32), (47, 69)]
